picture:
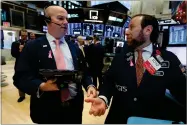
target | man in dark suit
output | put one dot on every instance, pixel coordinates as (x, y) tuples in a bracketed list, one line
[(94, 55), (138, 78), (48, 104), (16, 49)]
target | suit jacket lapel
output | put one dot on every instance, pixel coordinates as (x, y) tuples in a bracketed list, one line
[(132, 68), (73, 54), (46, 49)]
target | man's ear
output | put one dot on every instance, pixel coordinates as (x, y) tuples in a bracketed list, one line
[(148, 30)]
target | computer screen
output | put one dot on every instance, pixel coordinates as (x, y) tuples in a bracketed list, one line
[(114, 31), (45, 29), (177, 35), (115, 34), (76, 32), (31, 21), (72, 27), (17, 18), (120, 44), (116, 19), (180, 52), (3, 15)]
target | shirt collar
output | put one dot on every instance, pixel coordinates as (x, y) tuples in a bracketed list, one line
[(50, 38), (149, 48)]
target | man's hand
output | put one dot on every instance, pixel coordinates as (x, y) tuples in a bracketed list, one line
[(92, 92), (21, 48), (49, 86), (98, 106)]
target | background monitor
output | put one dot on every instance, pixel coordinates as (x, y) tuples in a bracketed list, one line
[(3, 15), (32, 20), (92, 29), (120, 44), (180, 52), (73, 27), (177, 35), (113, 31), (116, 35), (45, 29), (116, 19), (92, 15), (17, 18), (76, 32)]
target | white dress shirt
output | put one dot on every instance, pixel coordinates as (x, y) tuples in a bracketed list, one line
[(146, 54), (65, 50)]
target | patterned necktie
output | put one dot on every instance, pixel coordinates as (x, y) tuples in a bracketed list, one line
[(59, 57), (139, 67)]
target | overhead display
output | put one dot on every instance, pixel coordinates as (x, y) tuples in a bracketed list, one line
[(92, 15), (177, 35), (116, 19), (114, 31), (75, 16)]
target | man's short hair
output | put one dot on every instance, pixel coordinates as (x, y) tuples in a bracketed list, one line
[(150, 20), (80, 38), (22, 30)]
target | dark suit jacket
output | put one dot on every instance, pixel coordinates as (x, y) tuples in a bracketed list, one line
[(94, 55), (34, 57), (147, 100), (15, 50)]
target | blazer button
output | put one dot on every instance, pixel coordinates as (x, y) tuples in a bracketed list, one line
[(135, 99)]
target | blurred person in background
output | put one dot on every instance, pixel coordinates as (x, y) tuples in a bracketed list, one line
[(16, 49), (95, 60), (32, 36), (80, 42), (88, 40)]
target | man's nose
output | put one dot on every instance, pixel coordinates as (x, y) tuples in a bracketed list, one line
[(127, 32), (66, 21)]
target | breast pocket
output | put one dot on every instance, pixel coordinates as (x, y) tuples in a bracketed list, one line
[(46, 59)]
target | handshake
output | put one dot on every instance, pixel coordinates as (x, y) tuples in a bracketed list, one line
[(98, 106)]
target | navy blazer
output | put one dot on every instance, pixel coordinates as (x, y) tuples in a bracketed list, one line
[(147, 99), (35, 56)]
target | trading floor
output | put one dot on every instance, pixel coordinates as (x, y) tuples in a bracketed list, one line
[(18, 113)]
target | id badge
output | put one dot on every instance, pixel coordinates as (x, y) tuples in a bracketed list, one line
[(151, 65)]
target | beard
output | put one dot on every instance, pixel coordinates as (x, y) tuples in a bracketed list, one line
[(140, 40)]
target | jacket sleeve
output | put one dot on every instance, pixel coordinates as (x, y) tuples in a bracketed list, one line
[(107, 88), (86, 80), (15, 50), (27, 69), (177, 84)]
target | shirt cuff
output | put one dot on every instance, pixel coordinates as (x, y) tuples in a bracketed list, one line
[(104, 99), (39, 93), (91, 86)]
